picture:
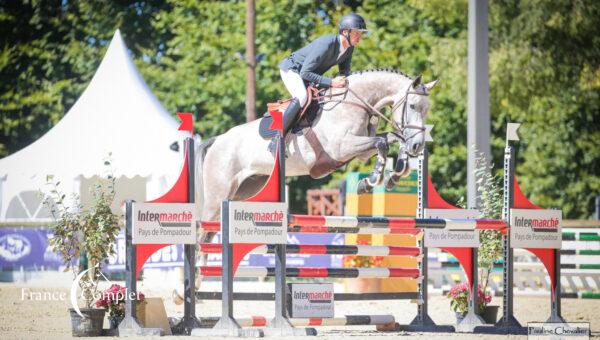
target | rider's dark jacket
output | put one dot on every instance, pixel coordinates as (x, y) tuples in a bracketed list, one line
[(316, 58)]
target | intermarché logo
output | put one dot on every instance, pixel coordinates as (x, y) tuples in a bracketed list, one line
[(260, 219), (314, 297), (538, 224), (178, 219)]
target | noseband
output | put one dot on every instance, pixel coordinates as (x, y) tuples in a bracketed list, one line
[(403, 126)]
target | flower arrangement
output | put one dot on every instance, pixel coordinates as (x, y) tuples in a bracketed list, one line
[(459, 298), (113, 300), (354, 261)]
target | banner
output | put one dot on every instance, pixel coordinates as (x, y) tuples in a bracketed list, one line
[(304, 260), (533, 228), (257, 222), (452, 238), (27, 247), (158, 223), (311, 300)]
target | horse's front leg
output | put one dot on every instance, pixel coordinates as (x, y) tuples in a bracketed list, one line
[(401, 169), (365, 185)]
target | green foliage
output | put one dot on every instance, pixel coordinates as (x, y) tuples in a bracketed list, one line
[(544, 72), (49, 51), (491, 193), (92, 230), (544, 59)]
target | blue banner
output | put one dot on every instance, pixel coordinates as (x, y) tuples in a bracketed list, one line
[(303, 260), (27, 247)]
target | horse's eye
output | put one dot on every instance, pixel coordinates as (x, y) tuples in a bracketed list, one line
[(412, 106)]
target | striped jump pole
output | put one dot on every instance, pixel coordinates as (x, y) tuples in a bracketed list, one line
[(581, 295), (365, 230), (378, 225), (253, 296), (318, 249), (395, 222), (348, 320), (215, 227), (317, 272)]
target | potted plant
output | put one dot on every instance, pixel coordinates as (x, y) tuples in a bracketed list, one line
[(113, 301), (490, 241), (459, 300), (90, 231), (362, 285)]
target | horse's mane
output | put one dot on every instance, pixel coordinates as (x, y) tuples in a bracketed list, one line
[(387, 70)]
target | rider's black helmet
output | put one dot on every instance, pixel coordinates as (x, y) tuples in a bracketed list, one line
[(353, 21)]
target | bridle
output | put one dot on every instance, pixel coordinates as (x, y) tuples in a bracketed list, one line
[(398, 131)]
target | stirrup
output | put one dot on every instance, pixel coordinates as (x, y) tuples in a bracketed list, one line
[(272, 146)]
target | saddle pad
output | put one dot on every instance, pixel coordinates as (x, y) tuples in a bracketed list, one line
[(264, 127)]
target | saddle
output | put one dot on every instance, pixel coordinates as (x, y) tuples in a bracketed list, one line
[(306, 117), (324, 164)]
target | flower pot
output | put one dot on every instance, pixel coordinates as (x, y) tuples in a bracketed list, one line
[(140, 315), (459, 317), (490, 314), (114, 321), (90, 324)]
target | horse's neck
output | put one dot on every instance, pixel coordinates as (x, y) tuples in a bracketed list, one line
[(375, 88)]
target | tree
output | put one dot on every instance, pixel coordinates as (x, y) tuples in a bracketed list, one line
[(544, 72), (49, 52)]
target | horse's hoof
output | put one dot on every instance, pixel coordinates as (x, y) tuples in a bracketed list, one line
[(363, 187), (401, 169)]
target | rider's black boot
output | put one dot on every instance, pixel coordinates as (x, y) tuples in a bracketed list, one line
[(289, 117)]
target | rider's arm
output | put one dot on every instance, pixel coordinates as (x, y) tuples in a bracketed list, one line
[(312, 62), (344, 66)]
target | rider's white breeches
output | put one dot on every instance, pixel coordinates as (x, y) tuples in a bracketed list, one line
[(295, 85)]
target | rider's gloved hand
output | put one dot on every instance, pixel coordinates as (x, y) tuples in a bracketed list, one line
[(339, 81)]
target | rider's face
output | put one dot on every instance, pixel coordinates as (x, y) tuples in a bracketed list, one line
[(355, 37)]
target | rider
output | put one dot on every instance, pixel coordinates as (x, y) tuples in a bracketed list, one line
[(308, 64)]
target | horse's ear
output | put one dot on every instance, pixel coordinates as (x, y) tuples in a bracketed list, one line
[(416, 82), (431, 84)]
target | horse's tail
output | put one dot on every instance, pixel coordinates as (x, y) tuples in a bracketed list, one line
[(199, 153)]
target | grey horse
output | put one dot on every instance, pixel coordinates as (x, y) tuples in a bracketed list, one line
[(236, 164)]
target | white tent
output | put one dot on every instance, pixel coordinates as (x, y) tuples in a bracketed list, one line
[(118, 114)]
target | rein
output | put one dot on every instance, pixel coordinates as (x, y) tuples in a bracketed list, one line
[(372, 111)]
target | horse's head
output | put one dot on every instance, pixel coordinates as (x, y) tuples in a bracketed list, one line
[(409, 113)]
